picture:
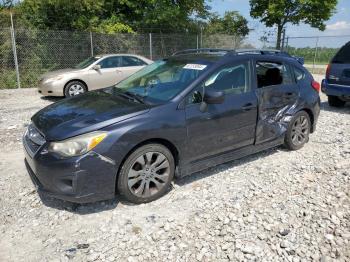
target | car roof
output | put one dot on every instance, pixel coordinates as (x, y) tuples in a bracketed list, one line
[(211, 55), (108, 55)]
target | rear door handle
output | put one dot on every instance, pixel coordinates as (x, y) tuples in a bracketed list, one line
[(248, 107)]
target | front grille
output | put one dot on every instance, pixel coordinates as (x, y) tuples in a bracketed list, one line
[(33, 140)]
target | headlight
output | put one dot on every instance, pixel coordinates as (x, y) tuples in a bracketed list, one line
[(77, 145)]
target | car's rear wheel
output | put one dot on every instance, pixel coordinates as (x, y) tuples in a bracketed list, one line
[(335, 101), (146, 174), (74, 88), (298, 131)]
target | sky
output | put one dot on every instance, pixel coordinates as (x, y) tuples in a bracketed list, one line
[(338, 25)]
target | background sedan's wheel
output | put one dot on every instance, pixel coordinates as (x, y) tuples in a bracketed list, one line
[(74, 88), (146, 174), (298, 131), (335, 101)]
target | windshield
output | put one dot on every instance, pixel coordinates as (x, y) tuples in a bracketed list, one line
[(162, 80), (87, 62)]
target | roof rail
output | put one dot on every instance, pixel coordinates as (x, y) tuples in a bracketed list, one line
[(262, 52), (202, 50), (239, 52)]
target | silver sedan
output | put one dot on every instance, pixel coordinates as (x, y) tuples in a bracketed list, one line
[(93, 73)]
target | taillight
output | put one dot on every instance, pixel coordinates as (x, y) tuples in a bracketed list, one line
[(316, 85), (328, 70)]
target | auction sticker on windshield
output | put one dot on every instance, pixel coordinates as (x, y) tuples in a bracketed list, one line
[(195, 66)]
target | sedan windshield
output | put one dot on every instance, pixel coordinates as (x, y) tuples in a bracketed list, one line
[(162, 80), (87, 62)]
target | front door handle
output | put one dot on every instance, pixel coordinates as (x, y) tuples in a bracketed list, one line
[(248, 107)]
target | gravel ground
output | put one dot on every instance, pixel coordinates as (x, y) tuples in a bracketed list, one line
[(272, 206)]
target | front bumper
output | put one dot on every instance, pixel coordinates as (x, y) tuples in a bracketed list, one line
[(335, 90), (82, 179), (51, 88)]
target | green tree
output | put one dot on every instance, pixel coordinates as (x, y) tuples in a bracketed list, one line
[(156, 15), (62, 14), (232, 23), (280, 12)]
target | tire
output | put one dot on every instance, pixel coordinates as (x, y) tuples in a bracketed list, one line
[(298, 131), (335, 101), (146, 174), (74, 88)]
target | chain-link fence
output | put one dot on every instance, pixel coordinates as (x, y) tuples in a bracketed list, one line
[(7, 66), (25, 54), (317, 51), (40, 51)]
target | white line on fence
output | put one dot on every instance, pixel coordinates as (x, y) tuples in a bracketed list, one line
[(150, 46), (91, 44), (13, 38)]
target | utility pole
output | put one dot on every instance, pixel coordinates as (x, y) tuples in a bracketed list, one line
[(316, 50), (201, 36), (283, 38)]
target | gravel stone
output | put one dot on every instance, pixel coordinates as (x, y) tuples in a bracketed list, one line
[(276, 205)]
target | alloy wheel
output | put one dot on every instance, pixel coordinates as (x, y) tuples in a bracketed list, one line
[(148, 174), (300, 130)]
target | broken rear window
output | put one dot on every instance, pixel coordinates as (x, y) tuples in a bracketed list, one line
[(271, 74)]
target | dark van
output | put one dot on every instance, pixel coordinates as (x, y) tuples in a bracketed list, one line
[(337, 83)]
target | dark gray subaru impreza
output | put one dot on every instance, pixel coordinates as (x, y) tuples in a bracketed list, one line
[(179, 115)]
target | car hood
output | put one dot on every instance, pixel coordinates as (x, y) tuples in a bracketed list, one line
[(85, 113), (59, 72)]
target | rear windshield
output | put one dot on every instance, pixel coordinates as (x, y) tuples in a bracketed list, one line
[(343, 55)]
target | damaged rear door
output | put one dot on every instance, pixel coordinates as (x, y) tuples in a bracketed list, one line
[(277, 94)]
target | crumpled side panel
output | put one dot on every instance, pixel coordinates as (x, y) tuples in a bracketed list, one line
[(275, 112)]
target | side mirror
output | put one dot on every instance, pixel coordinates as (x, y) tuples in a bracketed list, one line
[(96, 67), (214, 97)]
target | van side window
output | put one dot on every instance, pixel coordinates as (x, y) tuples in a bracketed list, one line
[(343, 55), (272, 73)]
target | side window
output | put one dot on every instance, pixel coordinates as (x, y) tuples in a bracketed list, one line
[(343, 55), (233, 79), (132, 61), (195, 97), (299, 74), (230, 79), (110, 62), (272, 73)]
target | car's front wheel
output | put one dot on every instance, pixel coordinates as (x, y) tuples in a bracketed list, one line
[(335, 101), (298, 131), (74, 88), (146, 174)]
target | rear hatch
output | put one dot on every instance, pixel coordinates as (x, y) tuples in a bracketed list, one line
[(338, 71)]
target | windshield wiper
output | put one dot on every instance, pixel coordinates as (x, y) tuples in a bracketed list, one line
[(131, 96), (134, 96)]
